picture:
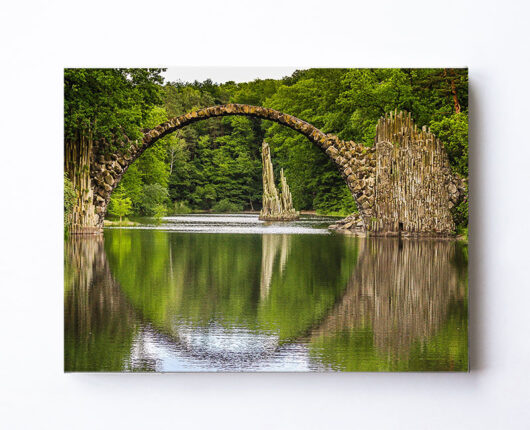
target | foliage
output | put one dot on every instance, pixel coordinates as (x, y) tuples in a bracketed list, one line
[(461, 214), (159, 211), (69, 200), (153, 200), (120, 206), (108, 104), (310, 96), (225, 205), (180, 208), (453, 131), (337, 202)]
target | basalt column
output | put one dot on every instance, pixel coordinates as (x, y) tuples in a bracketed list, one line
[(78, 158), (276, 207), (415, 188), (287, 200)]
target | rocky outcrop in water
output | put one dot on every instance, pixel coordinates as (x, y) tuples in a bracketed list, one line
[(351, 224), (276, 206)]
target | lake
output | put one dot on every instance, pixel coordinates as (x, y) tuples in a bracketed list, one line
[(232, 293)]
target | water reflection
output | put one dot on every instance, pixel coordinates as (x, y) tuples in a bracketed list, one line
[(144, 300), (99, 322), (405, 308), (272, 245)]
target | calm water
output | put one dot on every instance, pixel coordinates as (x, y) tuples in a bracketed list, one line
[(231, 293)]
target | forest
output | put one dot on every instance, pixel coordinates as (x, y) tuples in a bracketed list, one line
[(215, 165)]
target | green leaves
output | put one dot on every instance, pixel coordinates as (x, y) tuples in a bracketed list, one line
[(120, 206), (453, 132), (311, 174), (154, 196), (108, 104)]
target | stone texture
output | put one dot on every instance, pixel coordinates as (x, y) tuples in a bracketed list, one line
[(413, 178), (276, 206), (353, 224), (403, 185)]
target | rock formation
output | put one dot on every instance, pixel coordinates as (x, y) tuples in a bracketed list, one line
[(404, 185), (287, 199), (352, 224), (276, 206)]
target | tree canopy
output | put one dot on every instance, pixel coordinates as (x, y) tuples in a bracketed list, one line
[(218, 160), (109, 104)]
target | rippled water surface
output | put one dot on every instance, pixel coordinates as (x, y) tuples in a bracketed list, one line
[(232, 293), (239, 224)]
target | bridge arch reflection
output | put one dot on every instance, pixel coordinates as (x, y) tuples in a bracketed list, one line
[(399, 300)]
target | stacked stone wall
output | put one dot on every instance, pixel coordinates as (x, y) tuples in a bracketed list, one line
[(413, 181), (356, 164)]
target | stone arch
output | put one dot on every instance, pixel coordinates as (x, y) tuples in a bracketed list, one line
[(402, 185), (108, 169)]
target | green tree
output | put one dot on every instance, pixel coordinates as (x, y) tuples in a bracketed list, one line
[(108, 105), (312, 96), (453, 131), (120, 206), (154, 197)]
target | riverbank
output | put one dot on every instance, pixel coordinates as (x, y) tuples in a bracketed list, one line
[(354, 225), (117, 223), (463, 236)]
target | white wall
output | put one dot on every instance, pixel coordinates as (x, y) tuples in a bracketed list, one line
[(39, 38)]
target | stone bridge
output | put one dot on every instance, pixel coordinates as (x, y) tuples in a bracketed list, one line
[(402, 184)]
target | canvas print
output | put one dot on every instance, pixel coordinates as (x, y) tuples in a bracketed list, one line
[(265, 220)]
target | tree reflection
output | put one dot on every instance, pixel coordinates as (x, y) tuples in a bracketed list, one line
[(177, 280)]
